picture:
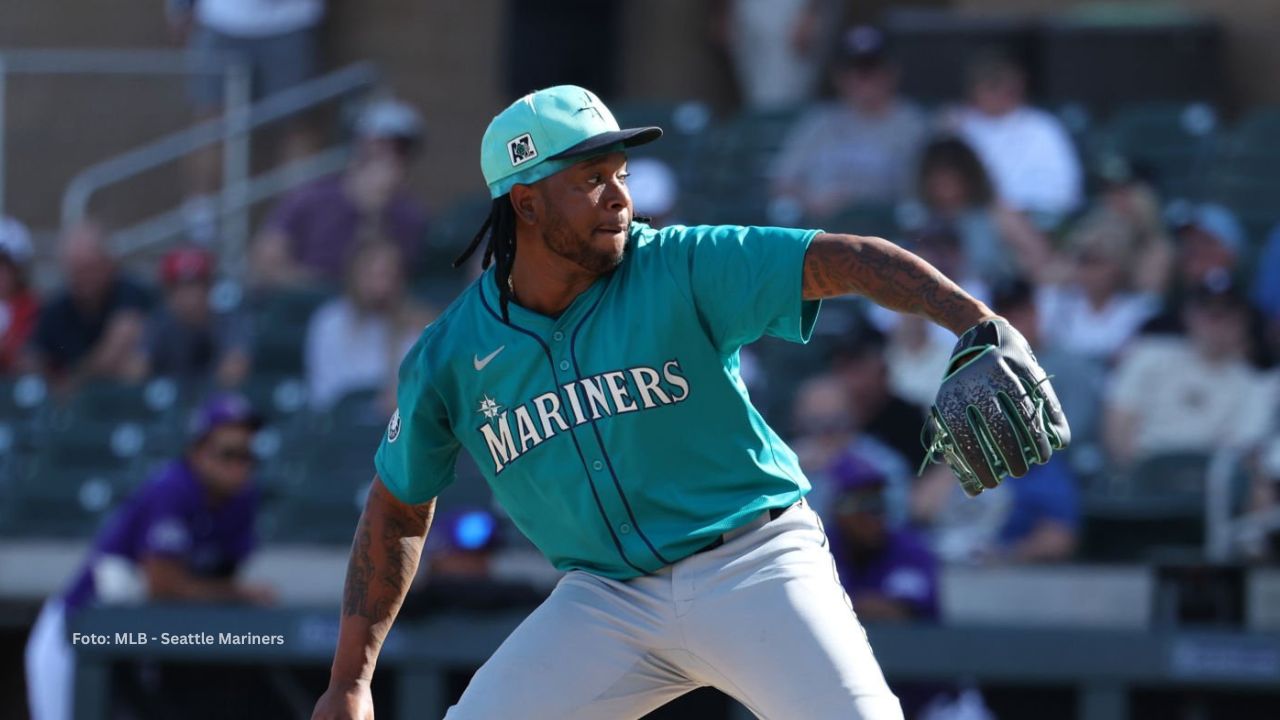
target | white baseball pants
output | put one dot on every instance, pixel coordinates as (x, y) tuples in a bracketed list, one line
[(763, 618), (51, 665)]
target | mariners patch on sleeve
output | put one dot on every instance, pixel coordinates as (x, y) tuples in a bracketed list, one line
[(393, 427), (522, 150)]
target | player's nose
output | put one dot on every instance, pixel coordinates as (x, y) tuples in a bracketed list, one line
[(616, 197)]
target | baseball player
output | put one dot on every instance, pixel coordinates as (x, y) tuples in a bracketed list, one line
[(592, 372)]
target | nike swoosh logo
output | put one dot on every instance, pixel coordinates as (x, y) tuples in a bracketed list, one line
[(480, 362)]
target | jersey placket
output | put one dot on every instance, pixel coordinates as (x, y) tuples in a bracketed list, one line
[(596, 454), (556, 339)]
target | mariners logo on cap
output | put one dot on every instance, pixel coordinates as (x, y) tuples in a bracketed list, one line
[(522, 150)]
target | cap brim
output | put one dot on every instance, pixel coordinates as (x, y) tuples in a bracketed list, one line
[(629, 137)]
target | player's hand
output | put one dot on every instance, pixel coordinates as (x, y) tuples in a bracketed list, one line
[(996, 414), (349, 702)]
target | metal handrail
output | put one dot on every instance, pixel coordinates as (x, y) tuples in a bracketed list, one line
[(75, 199), (157, 228), (116, 62), (112, 62)]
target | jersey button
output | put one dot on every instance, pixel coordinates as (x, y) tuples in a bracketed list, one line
[(597, 465), (624, 528), (564, 364), (557, 336)]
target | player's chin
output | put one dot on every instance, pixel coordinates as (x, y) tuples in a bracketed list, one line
[(607, 248)]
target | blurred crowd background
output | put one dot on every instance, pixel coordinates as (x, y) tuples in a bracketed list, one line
[(269, 215)]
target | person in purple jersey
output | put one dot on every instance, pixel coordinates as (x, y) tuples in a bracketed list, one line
[(889, 572), (180, 537)]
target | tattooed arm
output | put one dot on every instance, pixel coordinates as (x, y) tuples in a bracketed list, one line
[(897, 279), (384, 559)]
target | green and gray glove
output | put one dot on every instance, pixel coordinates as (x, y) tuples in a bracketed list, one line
[(995, 413)]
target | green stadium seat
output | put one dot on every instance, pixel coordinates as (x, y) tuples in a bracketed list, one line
[(280, 329), (434, 279), (1173, 141), (1157, 506), (879, 220), (686, 127), (23, 399), (68, 500), (734, 169)]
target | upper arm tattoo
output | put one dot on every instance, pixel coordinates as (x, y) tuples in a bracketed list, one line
[(895, 278)]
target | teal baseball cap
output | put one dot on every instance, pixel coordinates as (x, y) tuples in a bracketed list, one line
[(547, 131)]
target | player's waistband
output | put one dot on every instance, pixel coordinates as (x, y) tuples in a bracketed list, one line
[(760, 520)]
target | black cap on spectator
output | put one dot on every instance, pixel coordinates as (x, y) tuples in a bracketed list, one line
[(1011, 294), (862, 340), (863, 48)]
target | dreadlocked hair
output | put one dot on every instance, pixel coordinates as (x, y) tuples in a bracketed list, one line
[(500, 229)]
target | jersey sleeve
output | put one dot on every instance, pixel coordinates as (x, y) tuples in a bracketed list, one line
[(419, 449), (164, 529), (746, 282)]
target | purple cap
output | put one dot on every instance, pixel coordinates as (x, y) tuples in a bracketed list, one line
[(851, 472), (222, 409)]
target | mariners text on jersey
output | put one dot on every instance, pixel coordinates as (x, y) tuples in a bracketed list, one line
[(586, 400)]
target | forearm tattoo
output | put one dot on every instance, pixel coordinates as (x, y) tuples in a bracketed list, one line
[(359, 571), (895, 278), (380, 571)]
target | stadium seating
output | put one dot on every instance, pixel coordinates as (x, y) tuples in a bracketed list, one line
[(734, 166), (280, 329), (1246, 173), (1154, 509), (1174, 143)]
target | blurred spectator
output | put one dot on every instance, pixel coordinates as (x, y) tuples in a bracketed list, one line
[(918, 351), (1266, 293), (1194, 393), (457, 572), (19, 306), (180, 537), (1211, 249), (1095, 310), (858, 361), (1027, 151), (94, 326), (1031, 519), (858, 149), (356, 341), (313, 232), (277, 40), (655, 190), (822, 428), (777, 47), (1132, 200), (1266, 283), (186, 338), (889, 573), (999, 242)]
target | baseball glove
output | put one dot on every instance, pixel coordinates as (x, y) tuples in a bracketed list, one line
[(995, 413)]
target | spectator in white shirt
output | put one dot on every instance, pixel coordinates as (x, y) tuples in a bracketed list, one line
[(1192, 393), (1094, 311), (277, 41), (355, 342), (1027, 151)]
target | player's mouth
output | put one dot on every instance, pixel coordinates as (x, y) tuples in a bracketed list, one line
[(609, 229)]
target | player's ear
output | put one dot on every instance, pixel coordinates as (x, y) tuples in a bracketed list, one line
[(524, 200)]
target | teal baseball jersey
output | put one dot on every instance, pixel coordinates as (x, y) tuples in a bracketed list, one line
[(619, 436)]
